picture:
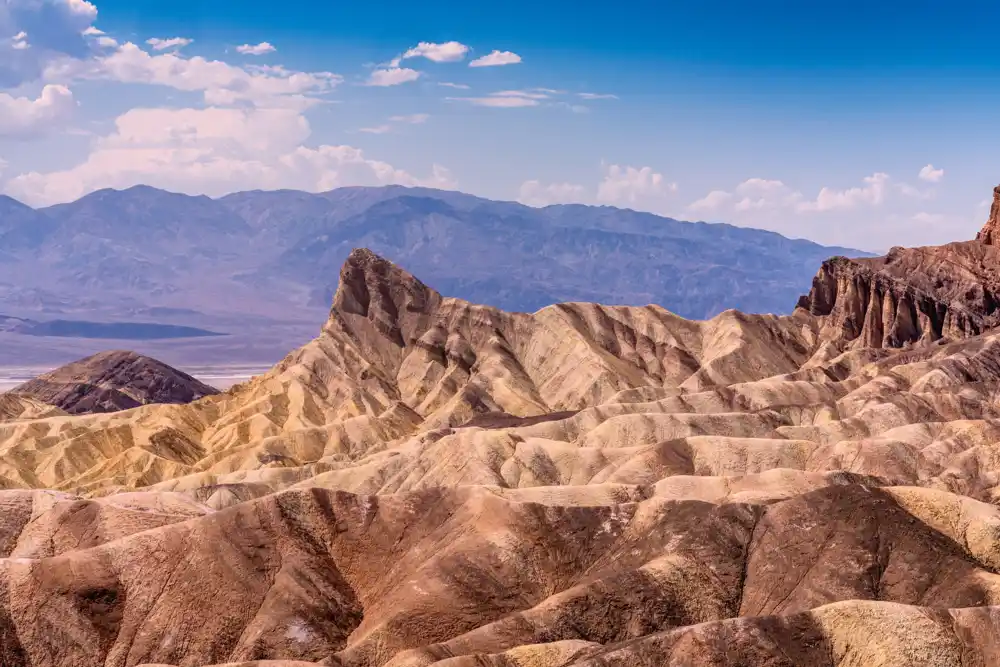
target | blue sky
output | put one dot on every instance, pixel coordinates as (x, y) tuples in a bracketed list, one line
[(848, 123)]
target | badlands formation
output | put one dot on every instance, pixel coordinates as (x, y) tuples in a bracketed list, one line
[(436, 483)]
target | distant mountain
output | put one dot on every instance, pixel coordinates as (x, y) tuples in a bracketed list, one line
[(249, 262), (521, 258), (103, 330), (112, 381)]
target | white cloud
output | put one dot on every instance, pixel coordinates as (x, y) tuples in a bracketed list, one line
[(872, 193), (874, 215), (448, 52), (915, 193), (23, 117), (930, 174), (496, 59), (500, 102), (44, 31), (92, 31), (597, 96), (411, 119), (620, 185), (256, 49), (214, 151), (759, 194), (164, 44), (393, 76), (457, 86), (713, 201), (220, 82), (507, 99), (107, 42), (534, 193), (630, 184)]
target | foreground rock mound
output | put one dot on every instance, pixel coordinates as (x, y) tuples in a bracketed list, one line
[(433, 482), (112, 381)]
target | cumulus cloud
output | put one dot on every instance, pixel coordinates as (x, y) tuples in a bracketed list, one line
[(448, 52), (620, 185), (631, 184), (597, 96), (930, 174), (159, 44), (759, 194), (393, 76), (256, 49), (220, 82), (214, 151), (495, 59), (830, 199), (534, 193), (43, 31), (873, 215), (713, 201), (23, 117), (457, 86)]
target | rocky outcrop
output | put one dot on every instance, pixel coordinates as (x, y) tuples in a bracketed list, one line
[(112, 381), (912, 295), (990, 233)]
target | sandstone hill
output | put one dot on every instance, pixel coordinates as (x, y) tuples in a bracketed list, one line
[(112, 381), (433, 482)]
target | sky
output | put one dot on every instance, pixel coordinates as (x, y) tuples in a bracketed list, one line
[(862, 124)]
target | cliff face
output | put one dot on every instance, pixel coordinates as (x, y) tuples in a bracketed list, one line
[(912, 295), (990, 233)]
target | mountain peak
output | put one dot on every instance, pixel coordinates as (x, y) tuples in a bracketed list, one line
[(374, 292), (990, 233), (9, 203)]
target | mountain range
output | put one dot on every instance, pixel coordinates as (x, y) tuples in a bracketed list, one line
[(261, 266)]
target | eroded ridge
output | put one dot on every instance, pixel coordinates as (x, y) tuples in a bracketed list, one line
[(433, 482)]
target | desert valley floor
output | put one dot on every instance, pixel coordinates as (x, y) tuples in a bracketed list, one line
[(432, 482)]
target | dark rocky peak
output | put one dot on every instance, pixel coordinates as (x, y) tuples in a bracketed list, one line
[(112, 381)]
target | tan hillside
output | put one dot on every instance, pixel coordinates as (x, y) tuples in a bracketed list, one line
[(432, 482)]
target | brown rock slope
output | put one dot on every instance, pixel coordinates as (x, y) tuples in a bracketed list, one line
[(432, 482), (913, 295), (112, 381)]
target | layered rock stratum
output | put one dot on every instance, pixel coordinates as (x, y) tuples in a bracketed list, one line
[(433, 482), (112, 381)]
